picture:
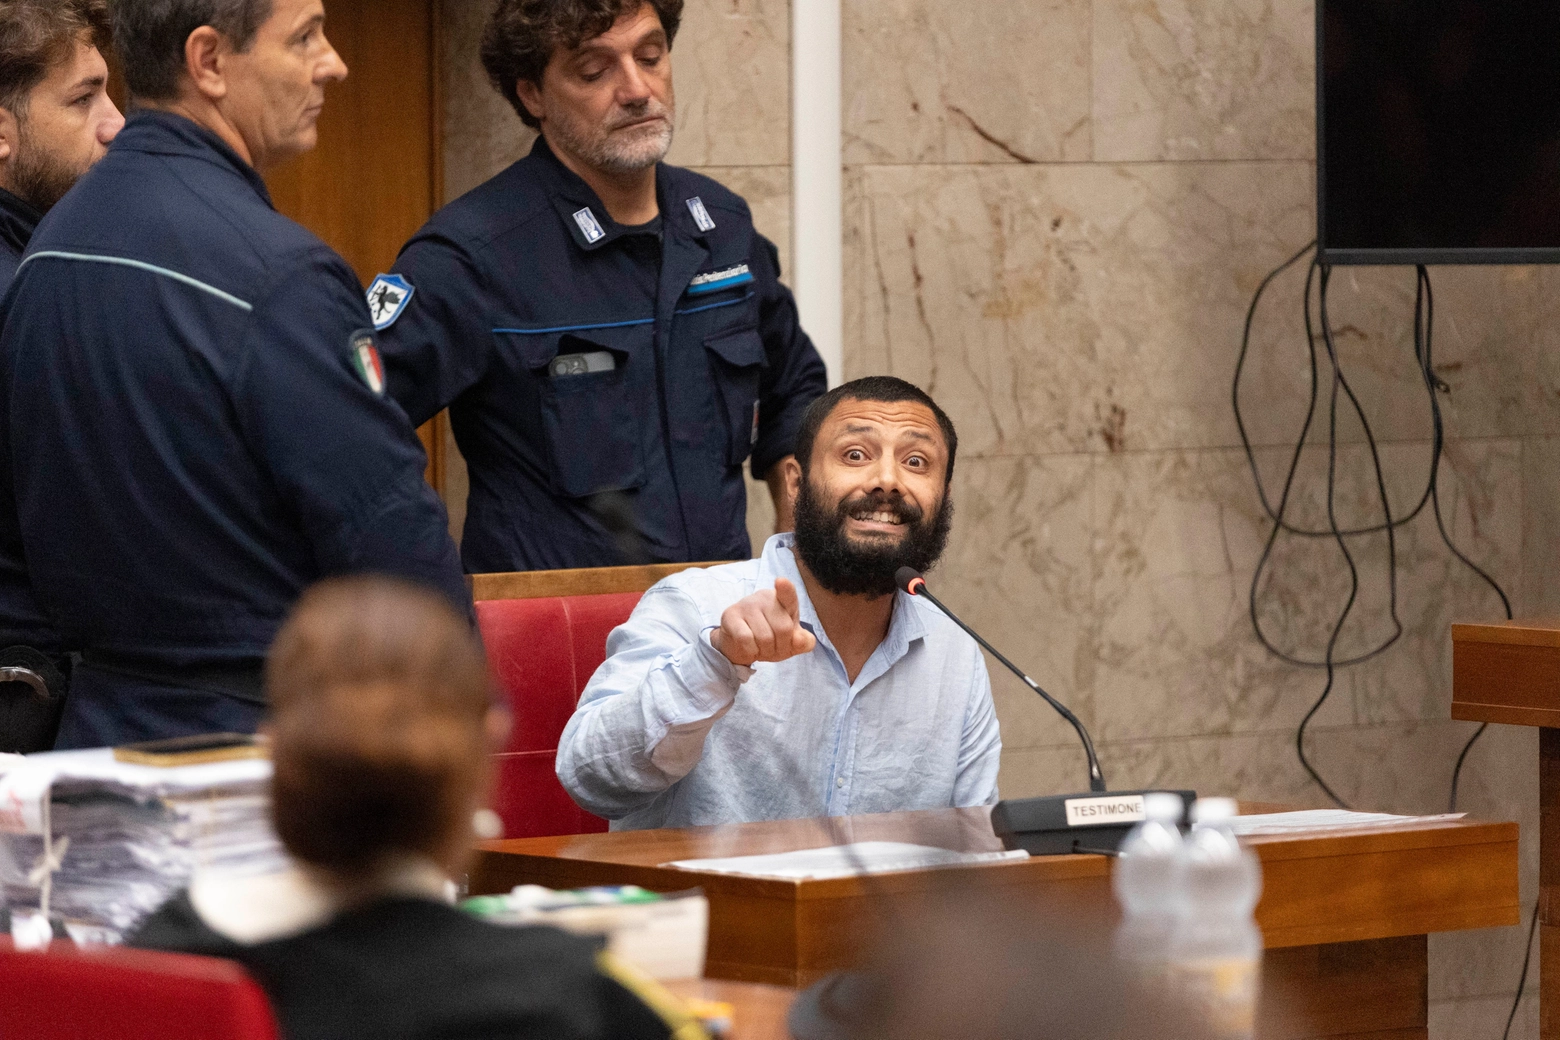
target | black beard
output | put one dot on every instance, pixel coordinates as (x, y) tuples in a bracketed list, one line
[(849, 568)]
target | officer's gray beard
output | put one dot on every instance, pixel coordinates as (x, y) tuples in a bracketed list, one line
[(37, 178), (618, 152)]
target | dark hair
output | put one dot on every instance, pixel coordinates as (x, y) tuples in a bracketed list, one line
[(379, 695), (149, 36), (521, 36), (35, 34), (869, 388)]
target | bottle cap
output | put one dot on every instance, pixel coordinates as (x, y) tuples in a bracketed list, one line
[(1213, 810), (1162, 805), (487, 824)]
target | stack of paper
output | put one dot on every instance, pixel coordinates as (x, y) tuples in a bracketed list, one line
[(136, 834)]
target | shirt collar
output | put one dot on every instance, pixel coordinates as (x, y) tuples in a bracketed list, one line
[(156, 132), (255, 909), (586, 218), (905, 625), (18, 221)]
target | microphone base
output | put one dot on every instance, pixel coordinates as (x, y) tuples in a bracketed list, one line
[(1069, 824)]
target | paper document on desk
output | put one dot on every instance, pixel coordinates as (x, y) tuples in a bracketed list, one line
[(838, 861), (1325, 820)]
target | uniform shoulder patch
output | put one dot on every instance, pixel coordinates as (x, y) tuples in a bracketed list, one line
[(366, 361), (388, 296)]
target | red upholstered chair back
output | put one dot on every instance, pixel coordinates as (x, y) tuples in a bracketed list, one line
[(543, 651), (69, 994)]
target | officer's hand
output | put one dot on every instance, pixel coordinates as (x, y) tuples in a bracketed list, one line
[(763, 627)]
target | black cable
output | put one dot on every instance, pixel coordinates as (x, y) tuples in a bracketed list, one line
[(1527, 958), (1277, 515), (1451, 804), (1339, 382), (1424, 311), (1280, 525), (1424, 325), (1433, 384)]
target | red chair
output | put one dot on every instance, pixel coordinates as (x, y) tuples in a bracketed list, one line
[(543, 652), (71, 994)]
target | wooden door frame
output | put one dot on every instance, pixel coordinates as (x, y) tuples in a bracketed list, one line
[(435, 433)]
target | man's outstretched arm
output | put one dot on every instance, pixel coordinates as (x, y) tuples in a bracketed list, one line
[(668, 678)]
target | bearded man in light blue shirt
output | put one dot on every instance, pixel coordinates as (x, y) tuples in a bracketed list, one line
[(802, 683)]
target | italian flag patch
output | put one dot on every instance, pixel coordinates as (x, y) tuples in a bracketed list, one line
[(365, 358)]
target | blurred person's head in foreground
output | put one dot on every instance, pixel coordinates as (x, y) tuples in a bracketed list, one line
[(382, 728), (977, 965), (381, 735)]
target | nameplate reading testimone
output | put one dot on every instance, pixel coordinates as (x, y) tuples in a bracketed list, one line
[(1092, 812)]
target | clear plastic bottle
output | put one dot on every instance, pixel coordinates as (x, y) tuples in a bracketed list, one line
[(1144, 879), (1215, 946)]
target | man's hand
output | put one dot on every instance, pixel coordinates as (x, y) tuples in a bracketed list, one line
[(763, 627)]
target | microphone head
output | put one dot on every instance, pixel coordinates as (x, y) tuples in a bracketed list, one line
[(909, 579)]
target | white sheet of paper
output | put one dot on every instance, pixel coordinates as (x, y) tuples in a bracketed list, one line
[(1325, 820), (836, 861), (22, 794)]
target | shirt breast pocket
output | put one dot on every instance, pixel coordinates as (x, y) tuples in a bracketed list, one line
[(737, 361), (593, 410)]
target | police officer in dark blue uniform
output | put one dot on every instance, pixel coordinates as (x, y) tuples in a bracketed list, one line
[(609, 332), (56, 120), (192, 415)]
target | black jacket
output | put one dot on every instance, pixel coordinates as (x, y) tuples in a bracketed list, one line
[(411, 968), (22, 621), (193, 427), (18, 220), (701, 364)]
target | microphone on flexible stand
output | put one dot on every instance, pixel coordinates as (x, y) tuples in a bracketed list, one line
[(913, 582), (1060, 823)]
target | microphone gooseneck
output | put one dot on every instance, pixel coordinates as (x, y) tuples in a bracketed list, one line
[(912, 581)]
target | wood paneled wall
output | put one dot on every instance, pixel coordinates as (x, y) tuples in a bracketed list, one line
[(373, 180)]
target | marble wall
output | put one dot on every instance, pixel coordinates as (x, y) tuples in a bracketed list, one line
[(1057, 212)]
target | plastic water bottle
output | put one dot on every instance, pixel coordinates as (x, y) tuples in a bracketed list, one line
[(1144, 879), (1215, 946)]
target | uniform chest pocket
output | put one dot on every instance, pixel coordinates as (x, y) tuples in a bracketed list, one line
[(593, 387), (736, 362)]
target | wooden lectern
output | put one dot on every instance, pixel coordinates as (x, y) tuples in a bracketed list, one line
[(1509, 672), (1344, 914)]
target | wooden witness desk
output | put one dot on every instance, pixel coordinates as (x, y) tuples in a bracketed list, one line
[(1509, 672), (1344, 915)]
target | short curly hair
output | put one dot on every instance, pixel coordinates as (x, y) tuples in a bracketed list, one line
[(35, 34), (521, 36)]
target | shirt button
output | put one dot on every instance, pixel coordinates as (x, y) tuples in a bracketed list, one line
[(839, 782)]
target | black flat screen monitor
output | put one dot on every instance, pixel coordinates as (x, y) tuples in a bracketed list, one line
[(1438, 131)]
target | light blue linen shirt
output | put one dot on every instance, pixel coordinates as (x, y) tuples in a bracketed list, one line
[(669, 733)]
